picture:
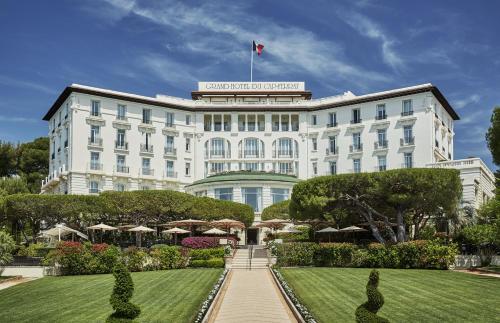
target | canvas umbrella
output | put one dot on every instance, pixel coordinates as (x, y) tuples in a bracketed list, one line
[(353, 229), (228, 224), (175, 231), (103, 227), (328, 230), (215, 231), (60, 230), (138, 230), (188, 223)]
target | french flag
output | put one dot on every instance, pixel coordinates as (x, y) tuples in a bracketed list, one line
[(257, 48)]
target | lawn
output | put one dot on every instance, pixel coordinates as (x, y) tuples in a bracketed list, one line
[(332, 294), (164, 296)]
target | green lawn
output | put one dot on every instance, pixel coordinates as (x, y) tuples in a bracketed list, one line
[(332, 294), (164, 296)]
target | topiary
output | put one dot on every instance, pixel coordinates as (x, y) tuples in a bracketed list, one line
[(367, 312), (120, 298)]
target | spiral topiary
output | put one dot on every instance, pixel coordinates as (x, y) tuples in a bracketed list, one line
[(367, 312), (124, 311)]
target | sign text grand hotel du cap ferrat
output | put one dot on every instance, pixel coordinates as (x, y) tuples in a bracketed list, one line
[(250, 86)]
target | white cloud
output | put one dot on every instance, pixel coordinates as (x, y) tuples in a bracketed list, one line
[(465, 102), (372, 30), (9, 81), (223, 32), (18, 119)]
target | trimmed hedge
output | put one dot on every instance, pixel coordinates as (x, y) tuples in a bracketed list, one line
[(278, 210), (210, 263), (413, 254), (205, 254)]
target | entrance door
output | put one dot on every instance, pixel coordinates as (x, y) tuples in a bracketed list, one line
[(252, 235)]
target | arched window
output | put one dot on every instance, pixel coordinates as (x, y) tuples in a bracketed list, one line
[(251, 148), (285, 148), (217, 148)]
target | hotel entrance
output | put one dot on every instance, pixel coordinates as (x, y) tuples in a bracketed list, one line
[(252, 236)]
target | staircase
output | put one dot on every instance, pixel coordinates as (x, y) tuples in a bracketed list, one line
[(242, 259)]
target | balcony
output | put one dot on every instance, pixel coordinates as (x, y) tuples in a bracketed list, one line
[(121, 117), (381, 116), (95, 166), (146, 171), (284, 154), (356, 148), (54, 177), (251, 154), (146, 149), (95, 141), (122, 169), (170, 151), (410, 141), (121, 145), (217, 154), (169, 174), (407, 113), (332, 151), (289, 171), (356, 121), (384, 144), (147, 121)]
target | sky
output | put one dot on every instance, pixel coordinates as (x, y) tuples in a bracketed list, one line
[(164, 46)]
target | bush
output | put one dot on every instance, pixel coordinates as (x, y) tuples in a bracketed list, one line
[(200, 242), (7, 245), (136, 259), (166, 257), (334, 255), (122, 292), (33, 250), (367, 312), (276, 211), (215, 263), (296, 254), (198, 263), (438, 256), (205, 254)]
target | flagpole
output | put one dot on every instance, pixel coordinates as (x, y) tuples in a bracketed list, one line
[(251, 65)]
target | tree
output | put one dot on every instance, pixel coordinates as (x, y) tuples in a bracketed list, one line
[(367, 312), (7, 245), (278, 210), (120, 298), (7, 159), (33, 162), (493, 135)]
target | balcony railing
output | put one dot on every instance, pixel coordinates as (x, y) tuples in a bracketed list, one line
[(146, 148), (96, 114), (122, 169), (407, 113), (289, 171), (407, 141), (147, 121), (95, 166), (170, 174), (147, 171), (169, 125), (95, 141), (283, 154), (332, 152), (331, 124), (381, 116), (220, 154), (121, 117), (251, 154), (122, 145), (381, 144), (354, 121), (356, 148), (170, 151)]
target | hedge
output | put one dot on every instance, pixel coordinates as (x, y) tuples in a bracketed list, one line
[(276, 211), (413, 254)]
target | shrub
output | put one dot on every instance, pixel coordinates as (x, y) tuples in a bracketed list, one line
[(33, 250), (200, 242), (367, 312), (205, 254), (198, 263), (215, 263), (276, 211), (136, 259), (166, 257), (334, 255), (7, 245), (409, 253), (296, 254), (122, 292), (439, 256), (380, 256)]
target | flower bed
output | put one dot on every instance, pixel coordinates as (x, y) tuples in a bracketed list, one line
[(303, 311), (211, 297)]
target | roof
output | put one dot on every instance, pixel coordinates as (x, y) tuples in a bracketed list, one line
[(246, 176), (304, 105)]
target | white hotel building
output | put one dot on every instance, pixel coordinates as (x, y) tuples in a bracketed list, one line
[(248, 142)]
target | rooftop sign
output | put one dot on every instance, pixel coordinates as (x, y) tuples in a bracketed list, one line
[(251, 86)]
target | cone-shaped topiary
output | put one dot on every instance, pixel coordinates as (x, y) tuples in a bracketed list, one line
[(122, 292), (367, 312)]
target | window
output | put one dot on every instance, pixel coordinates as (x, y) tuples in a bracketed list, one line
[(382, 138), (169, 145), (356, 165), (120, 164), (332, 120), (333, 168), (94, 134), (251, 122), (94, 161), (95, 109), (253, 197), (67, 137), (380, 112), (407, 108), (146, 166), (225, 194), (356, 141), (200, 193), (94, 187), (314, 142), (285, 147), (66, 111), (275, 120), (315, 168), (241, 122), (120, 139), (227, 122), (295, 122), (146, 116), (217, 147), (121, 112), (217, 122), (188, 144), (261, 122), (314, 119), (408, 135), (251, 147), (217, 167), (356, 116), (207, 122), (187, 169), (188, 119), (285, 122), (408, 160), (145, 188), (120, 187), (147, 147), (169, 168), (169, 119), (382, 163), (250, 167), (332, 145), (284, 168), (279, 194)]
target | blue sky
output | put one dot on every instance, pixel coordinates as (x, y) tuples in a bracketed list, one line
[(150, 47)]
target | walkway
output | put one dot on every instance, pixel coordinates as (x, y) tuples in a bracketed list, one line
[(10, 283), (251, 296)]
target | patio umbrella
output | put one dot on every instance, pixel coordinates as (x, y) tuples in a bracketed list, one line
[(61, 230), (328, 230), (188, 223), (138, 230), (289, 230), (228, 224), (176, 231), (273, 224), (352, 228), (103, 227), (214, 231)]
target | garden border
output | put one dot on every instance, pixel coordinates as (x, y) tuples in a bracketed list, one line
[(208, 305)]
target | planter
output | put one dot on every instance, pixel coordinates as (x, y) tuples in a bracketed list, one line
[(228, 262)]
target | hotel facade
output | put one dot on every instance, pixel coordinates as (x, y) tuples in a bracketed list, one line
[(247, 142)]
